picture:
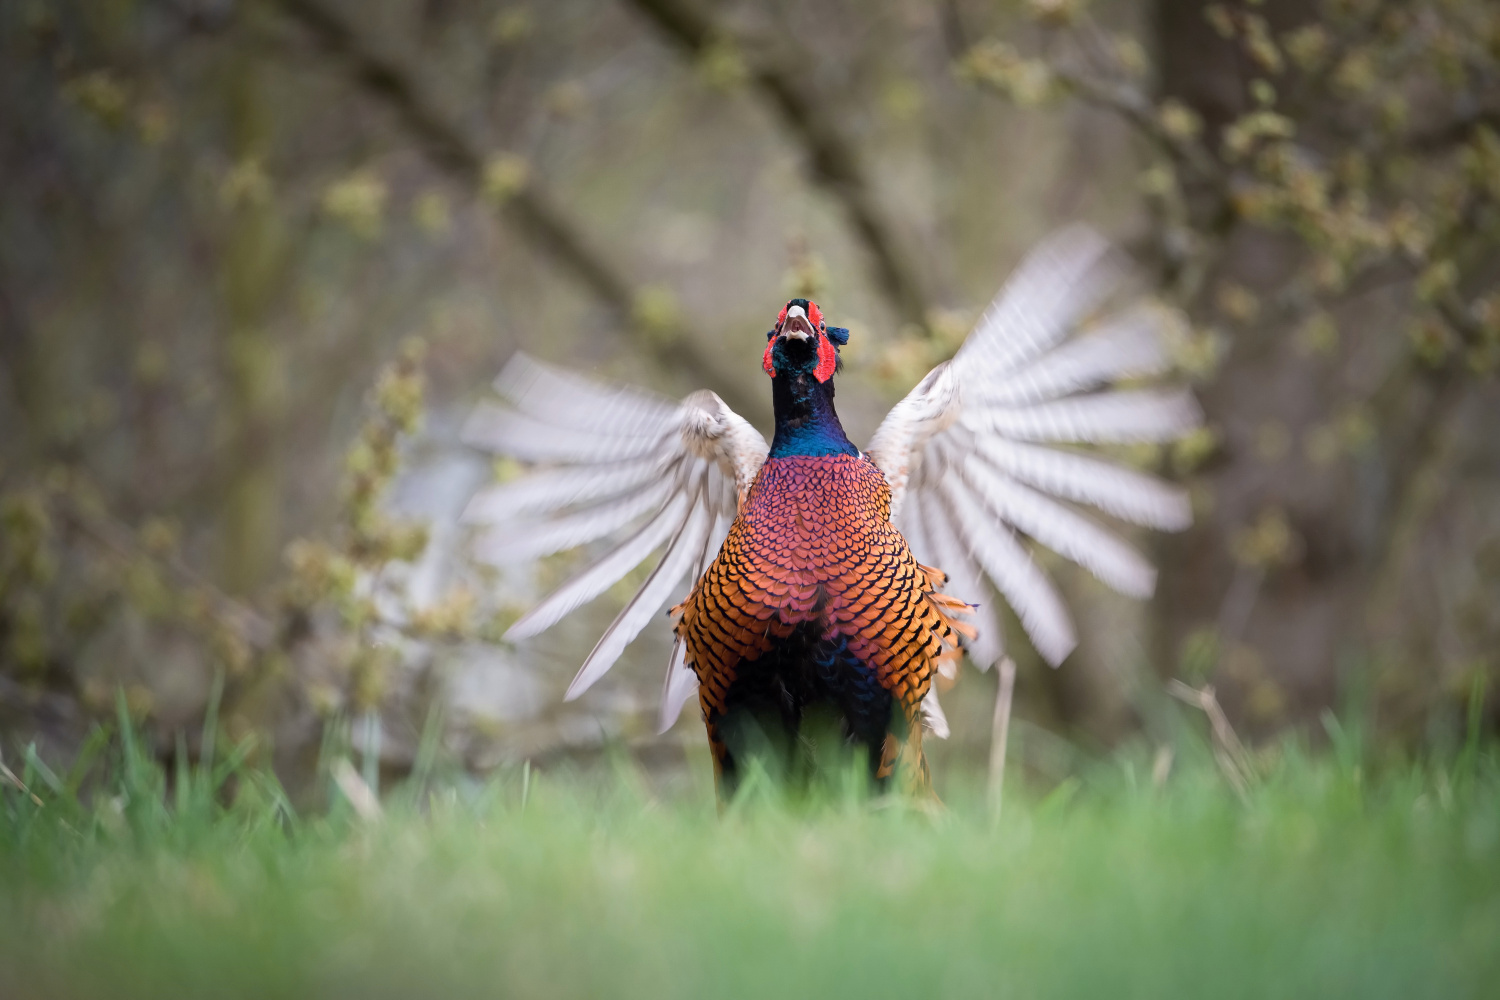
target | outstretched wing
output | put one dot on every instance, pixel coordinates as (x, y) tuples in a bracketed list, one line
[(971, 454), (612, 463)]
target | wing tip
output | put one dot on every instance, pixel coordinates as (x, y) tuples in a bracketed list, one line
[(515, 373), (525, 627), (588, 674), (1057, 648)]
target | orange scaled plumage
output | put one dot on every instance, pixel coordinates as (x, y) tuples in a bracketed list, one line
[(814, 547)]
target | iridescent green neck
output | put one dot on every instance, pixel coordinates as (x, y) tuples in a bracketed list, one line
[(806, 423)]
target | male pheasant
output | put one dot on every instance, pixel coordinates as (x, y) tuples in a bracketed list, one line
[(808, 593)]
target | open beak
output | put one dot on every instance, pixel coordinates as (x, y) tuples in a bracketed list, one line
[(796, 326)]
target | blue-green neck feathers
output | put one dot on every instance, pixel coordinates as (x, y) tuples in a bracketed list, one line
[(806, 423)]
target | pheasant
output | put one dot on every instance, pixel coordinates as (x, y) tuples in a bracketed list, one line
[(813, 564)]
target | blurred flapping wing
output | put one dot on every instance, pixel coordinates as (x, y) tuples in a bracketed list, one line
[(971, 454), (612, 463)]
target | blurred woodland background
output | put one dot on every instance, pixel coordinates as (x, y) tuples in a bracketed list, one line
[(260, 258)]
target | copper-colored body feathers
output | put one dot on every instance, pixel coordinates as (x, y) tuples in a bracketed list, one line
[(814, 548)]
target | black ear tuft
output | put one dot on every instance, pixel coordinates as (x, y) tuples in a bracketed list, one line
[(838, 334), (770, 334)]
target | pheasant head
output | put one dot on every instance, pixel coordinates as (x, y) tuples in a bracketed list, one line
[(802, 355), (802, 342)]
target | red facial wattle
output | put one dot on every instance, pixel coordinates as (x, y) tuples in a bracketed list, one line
[(828, 359)]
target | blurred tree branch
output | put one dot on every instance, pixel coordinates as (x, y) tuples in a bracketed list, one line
[(126, 548), (15, 353), (833, 157), (522, 200)]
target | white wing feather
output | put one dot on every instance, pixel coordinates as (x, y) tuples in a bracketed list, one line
[(621, 462), (1129, 346), (680, 554), (606, 572), (1006, 562), (938, 543), (970, 457), (531, 440), (1120, 417), (552, 489), (680, 685), (572, 530)]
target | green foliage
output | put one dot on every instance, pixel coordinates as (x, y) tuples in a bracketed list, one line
[(1330, 877), (1328, 149)]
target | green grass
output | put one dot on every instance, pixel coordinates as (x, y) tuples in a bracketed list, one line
[(1325, 881)]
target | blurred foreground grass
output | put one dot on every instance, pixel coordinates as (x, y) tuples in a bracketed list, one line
[(1326, 880)]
